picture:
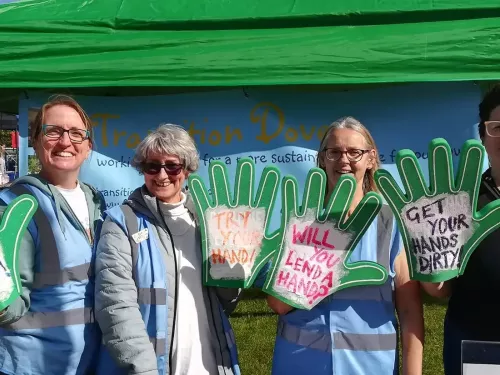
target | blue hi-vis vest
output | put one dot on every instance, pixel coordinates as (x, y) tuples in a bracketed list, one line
[(150, 275), (353, 331), (58, 334)]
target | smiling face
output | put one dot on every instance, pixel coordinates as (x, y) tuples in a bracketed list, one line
[(164, 187), (61, 155), (345, 142)]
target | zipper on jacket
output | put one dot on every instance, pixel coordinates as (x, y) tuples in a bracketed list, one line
[(176, 287)]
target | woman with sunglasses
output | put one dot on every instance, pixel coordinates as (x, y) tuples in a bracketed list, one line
[(355, 331), (50, 329), (474, 307), (155, 314)]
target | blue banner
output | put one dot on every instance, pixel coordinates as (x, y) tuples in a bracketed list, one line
[(279, 126)]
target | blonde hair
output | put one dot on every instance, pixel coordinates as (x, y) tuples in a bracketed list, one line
[(353, 124), (53, 101)]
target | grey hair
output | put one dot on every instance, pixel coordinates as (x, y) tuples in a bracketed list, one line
[(349, 122), (168, 139)]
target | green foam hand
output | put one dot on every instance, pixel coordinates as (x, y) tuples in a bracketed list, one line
[(233, 230), (440, 225), (314, 247), (14, 222)]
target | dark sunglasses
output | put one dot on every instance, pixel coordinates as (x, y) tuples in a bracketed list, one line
[(172, 169)]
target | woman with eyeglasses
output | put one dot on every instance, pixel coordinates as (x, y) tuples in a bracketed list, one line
[(355, 331), (50, 328), (474, 307), (155, 314)]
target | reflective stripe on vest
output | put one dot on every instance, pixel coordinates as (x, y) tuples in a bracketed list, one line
[(77, 273), (35, 320), (152, 296), (49, 259), (51, 274), (231, 340), (326, 341), (159, 345), (384, 236), (341, 340), (132, 228), (145, 296), (131, 222), (380, 293)]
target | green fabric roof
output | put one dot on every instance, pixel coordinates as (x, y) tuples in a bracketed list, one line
[(195, 43)]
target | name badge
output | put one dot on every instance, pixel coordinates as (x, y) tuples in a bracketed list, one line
[(141, 235)]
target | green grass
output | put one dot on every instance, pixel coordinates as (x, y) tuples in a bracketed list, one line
[(255, 328)]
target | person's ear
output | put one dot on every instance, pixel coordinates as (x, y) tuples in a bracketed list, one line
[(89, 151), (372, 157), (321, 160)]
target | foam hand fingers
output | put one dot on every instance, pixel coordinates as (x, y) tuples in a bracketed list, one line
[(440, 167), (310, 264), (200, 194), (314, 191), (364, 214), (268, 189), (341, 199), (485, 221), (390, 190), (469, 170), (411, 174), (363, 272), (439, 225), (233, 230), (244, 182), (218, 175), (265, 199), (14, 223)]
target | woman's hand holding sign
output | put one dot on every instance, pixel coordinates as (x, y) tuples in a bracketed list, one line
[(313, 248), (14, 222), (439, 224), (233, 229)]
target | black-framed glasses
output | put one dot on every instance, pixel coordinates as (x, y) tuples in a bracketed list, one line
[(353, 154), (172, 169), (56, 132), (492, 128)]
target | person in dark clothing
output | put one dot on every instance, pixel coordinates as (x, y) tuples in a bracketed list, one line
[(474, 306), (11, 165)]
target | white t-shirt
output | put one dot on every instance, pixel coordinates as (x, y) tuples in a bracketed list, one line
[(193, 353), (78, 203)]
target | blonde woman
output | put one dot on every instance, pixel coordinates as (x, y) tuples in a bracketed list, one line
[(355, 331), (50, 328)]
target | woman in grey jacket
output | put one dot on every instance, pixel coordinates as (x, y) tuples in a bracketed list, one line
[(155, 314)]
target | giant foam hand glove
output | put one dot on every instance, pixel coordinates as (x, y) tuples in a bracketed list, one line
[(440, 225), (233, 230), (14, 222), (314, 248)]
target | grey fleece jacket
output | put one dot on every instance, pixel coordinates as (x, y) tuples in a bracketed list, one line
[(117, 309)]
